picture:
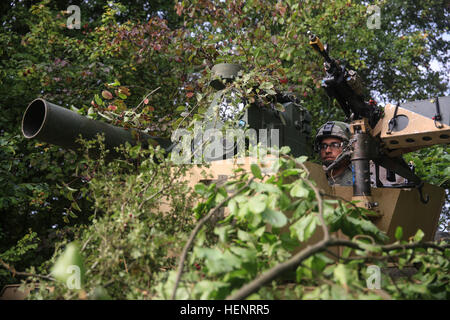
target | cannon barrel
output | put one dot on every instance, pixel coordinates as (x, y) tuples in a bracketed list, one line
[(56, 125)]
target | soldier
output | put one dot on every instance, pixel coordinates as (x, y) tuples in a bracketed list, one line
[(331, 138)]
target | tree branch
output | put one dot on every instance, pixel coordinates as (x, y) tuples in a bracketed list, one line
[(395, 283), (320, 205), (340, 198), (195, 232), (280, 268), (25, 274), (320, 246)]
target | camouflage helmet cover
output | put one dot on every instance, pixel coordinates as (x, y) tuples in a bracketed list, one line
[(335, 129)]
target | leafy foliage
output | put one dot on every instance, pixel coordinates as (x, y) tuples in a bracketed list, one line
[(432, 165), (131, 251), (148, 66)]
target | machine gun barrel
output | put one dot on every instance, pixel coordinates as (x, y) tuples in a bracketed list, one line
[(343, 84), (314, 41), (56, 125)]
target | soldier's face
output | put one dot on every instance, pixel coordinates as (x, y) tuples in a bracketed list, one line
[(329, 154)]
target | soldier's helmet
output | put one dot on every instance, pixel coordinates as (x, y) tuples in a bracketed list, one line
[(336, 129)]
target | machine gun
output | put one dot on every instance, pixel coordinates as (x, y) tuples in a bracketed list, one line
[(381, 137), (344, 84)]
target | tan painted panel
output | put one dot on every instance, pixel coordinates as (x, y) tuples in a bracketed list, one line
[(12, 292), (418, 128), (397, 206), (402, 207), (412, 214)]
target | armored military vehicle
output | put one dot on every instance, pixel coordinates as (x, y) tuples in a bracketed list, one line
[(382, 181)]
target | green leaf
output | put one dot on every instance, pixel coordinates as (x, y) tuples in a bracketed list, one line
[(200, 188), (276, 165), (284, 202), (346, 252), (98, 100), (100, 293), (245, 253), (301, 208), (91, 111), (243, 210), (136, 253), (340, 274), (398, 233), (256, 170), (176, 123), (265, 187), (301, 159), (316, 264), (206, 290), (222, 232), (257, 204), (304, 227), (69, 196), (299, 190), (75, 206), (320, 261), (244, 236), (116, 83), (219, 198), (291, 172), (260, 231), (180, 109), (198, 210), (266, 86), (73, 215), (419, 235), (232, 206), (217, 261), (285, 150), (255, 220), (366, 227), (275, 218), (369, 247)]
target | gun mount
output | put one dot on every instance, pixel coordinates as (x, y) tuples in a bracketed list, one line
[(382, 137)]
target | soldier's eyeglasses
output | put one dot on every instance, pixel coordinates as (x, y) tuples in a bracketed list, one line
[(333, 145)]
